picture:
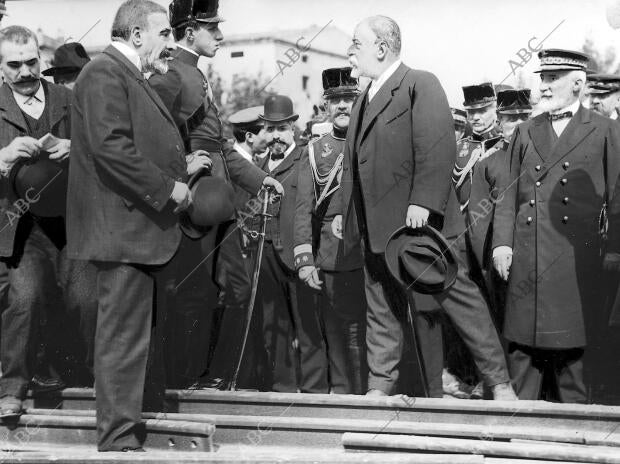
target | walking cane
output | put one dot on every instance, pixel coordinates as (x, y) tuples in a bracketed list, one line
[(256, 272)]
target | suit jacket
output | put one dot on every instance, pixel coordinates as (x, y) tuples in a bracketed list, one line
[(182, 89), (552, 203), (58, 102), (404, 149), (280, 228), (126, 154)]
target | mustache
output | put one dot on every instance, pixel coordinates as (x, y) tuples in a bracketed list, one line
[(26, 80), (343, 113)]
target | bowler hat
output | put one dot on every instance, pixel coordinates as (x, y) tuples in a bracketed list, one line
[(68, 58), (338, 82), (42, 184), (421, 259), (183, 11), (212, 204), (279, 108)]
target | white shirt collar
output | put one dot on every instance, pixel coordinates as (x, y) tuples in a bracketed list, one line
[(242, 151), (275, 163), (385, 75), (129, 53), (32, 105), (573, 107), (178, 45)]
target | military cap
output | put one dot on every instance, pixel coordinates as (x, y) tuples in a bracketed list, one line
[(515, 101), (247, 117), (459, 116), (183, 11), (338, 82), (555, 59), (478, 96), (603, 83)]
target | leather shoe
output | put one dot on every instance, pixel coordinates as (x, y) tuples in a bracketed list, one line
[(40, 384), (504, 392), (375, 392), (133, 450), (10, 406)]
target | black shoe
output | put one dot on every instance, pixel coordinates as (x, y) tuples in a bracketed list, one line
[(209, 384), (40, 384), (10, 406), (133, 450)]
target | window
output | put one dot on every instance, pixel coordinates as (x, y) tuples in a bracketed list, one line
[(304, 82), (236, 54)]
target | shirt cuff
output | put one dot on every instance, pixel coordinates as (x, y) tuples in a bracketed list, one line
[(303, 256), (502, 250)]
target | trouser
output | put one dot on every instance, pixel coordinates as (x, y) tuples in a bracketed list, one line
[(290, 369), (37, 271), (129, 348), (463, 303), (342, 308), (547, 374)]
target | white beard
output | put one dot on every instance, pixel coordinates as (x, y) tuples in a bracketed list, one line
[(159, 66)]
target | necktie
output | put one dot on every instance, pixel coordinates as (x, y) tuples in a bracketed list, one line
[(277, 157), (558, 117)]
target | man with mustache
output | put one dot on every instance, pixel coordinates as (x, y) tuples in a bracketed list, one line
[(285, 323), (397, 162), (188, 95), (126, 185), (604, 92), (337, 278), (32, 246), (563, 166)]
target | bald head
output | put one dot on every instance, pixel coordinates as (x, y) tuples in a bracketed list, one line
[(375, 46)]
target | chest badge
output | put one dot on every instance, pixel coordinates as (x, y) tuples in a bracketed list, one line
[(464, 150), (327, 150)]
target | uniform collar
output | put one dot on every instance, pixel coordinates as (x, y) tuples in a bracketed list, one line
[(490, 133)]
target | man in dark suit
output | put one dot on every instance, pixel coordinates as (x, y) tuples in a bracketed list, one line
[(31, 241), (398, 158), (563, 166), (285, 323), (126, 186)]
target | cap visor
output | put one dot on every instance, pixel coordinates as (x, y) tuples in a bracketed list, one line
[(475, 106), (515, 111), (217, 19), (560, 67)]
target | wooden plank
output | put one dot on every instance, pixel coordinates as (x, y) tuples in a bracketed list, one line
[(553, 452)]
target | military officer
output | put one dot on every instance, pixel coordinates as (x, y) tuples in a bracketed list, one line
[(189, 97), (604, 91), (279, 291), (563, 164), (319, 256)]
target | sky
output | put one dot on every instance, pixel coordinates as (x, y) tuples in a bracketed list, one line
[(463, 42)]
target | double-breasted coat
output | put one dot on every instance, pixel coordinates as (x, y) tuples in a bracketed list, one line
[(553, 198)]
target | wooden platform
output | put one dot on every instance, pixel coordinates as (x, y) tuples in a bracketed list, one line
[(215, 426)]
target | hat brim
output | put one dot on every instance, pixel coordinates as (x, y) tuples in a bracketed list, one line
[(293, 117), (559, 67), (54, 71), (216, 19), (515, 111), (476, 106), (342, 92), (392, 259), (186, 225)]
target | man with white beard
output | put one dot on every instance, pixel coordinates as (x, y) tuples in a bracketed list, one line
[(563, 166)]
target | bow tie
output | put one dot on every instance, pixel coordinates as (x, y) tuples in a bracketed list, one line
[(276, 157), (557, 117)]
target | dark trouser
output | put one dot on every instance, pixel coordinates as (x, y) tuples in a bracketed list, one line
[(556, 374), (129, 339), (283, 322), (342, 307), (464, 305), (36, 270)]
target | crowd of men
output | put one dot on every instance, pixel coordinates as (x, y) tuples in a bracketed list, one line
[(410, 248)]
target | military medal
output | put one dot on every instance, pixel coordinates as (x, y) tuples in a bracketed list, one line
[(327, 150)]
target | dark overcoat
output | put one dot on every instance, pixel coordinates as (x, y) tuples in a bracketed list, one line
[(58, 102), (403, 144), (553, 199), (126, 154)]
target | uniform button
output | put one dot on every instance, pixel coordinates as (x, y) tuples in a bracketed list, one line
[(537, 184), (565, 219), (537, 167), (532, 202), (565, 200), (178, 147), (529, 219), (147, 198), (564, 181), (566, 164), (155, 204)]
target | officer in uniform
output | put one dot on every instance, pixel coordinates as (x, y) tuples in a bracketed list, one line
[(460, 122), (319, 256), (604, 91), (563, 167), (285, 325), (188, 95)]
